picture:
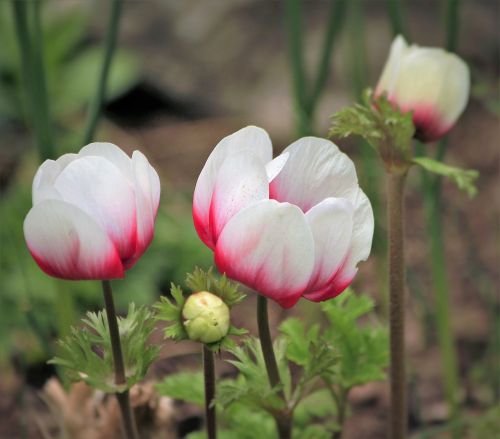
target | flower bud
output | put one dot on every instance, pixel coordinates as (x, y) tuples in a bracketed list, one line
[(206, 317), (431, 82)]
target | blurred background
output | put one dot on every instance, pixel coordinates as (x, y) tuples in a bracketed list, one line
[(187, 73)]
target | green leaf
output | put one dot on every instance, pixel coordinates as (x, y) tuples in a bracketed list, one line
[(77, 79), (298, 342), (185, 386), (314, 407), (86, 354), (388, 130), (252, 386), (463, 178), (63, 31), (363, 349)]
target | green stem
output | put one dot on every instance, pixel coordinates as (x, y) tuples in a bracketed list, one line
[(452, 24), (209, 374), (441, 291), (431, 190), (129, 425), (33, 74), (293, 15), (395, 215), (109, 49), (65, 308), (341, 412), (395, 17), (283, 419), (334, 26), (371, 175)]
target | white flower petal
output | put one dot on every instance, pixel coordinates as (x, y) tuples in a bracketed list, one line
[(241, 181), (43, 182), (274, 167), (435, 85), (315, 170), (100, 189), (269, 247), (252, 139), (360, 247), (387, 82), (111, 152), (147, 193), (67, 243), (331, 223)]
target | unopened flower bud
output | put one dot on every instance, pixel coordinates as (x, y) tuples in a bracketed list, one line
[(206, 317)]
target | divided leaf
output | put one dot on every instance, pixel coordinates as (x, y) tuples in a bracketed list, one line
[(363, 350), (86, 353), (463, 178)]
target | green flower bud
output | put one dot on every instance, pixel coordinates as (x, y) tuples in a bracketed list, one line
[(206, 317)]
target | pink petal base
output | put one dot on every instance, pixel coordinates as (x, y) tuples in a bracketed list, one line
[(200, 224), (258, 280), (428, 123), (111, 268), (330, 292)]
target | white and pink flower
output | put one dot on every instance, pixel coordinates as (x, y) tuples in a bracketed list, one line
[(93, 213), (290, 227), (429, 81)]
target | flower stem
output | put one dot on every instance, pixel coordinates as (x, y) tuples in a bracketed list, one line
[(33, 73), (129, 424), (371, 175), (452, 24), (293, 14), (283, 419), (395, 215), (395, 17), (333, 29), (109, 49), (306, 103), (431, 191), (209, 374)]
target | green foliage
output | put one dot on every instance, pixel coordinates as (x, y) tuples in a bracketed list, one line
[(311, 413), (71, 65), (486, 426), (252, 385), (326, 363), (185, 386), (463, 178), (86, 354), (362, 349), (388, 130), (309, 349), (170, 311)]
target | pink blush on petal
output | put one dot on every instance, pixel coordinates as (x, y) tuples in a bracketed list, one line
[(203, 229), (257, 279), (111, 268), (428, 123), (330, 292)]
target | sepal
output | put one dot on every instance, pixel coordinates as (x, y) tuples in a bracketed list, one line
[(171, 310), (383, 125)]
